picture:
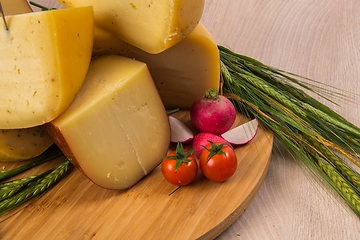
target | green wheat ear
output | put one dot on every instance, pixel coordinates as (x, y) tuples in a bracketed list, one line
[(306, 127), (34, 187)]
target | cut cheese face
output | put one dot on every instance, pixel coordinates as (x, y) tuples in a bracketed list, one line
[(152, 26), (43, 63), (116, 131), (23, 144), (12, 7), (182, 73)]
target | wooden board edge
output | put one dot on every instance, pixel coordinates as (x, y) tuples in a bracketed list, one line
[(216, 231)]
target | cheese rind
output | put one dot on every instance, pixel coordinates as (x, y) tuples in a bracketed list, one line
[(116, 130), (23, 144), (152, 26), (43, 63), (182, 73)]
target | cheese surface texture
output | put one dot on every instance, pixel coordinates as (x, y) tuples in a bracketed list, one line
[(23, 144), (12, 7), (152, 26), (116, 131), (43, 63), (182, 73)]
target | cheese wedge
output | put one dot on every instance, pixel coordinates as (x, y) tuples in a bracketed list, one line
[(152, 26), (23, 144), (116, 131), (12, 7), (43, 63), (182, 73)]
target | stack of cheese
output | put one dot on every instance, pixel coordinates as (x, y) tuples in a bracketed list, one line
[(146, 55)]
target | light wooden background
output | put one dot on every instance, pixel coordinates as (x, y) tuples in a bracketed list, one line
[(319, 39)]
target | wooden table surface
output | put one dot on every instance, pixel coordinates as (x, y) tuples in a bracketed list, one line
[(319, 39)]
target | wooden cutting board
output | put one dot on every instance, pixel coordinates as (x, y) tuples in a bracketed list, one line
[(78, 209)]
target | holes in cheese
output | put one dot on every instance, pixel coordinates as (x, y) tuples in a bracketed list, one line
[(182, 73), (116, 131), (152, 26), (22, 144), (43, 63)]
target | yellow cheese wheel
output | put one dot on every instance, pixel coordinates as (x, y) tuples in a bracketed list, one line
[(181, 73), (12, 7), (116, 131), (152, 26), (43, 63), (23, 144)]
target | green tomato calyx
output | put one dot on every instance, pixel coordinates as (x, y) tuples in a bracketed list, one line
[(180, 156), (215, 149)]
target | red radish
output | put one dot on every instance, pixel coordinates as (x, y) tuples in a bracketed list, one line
[(202, 139), (242, 134), (179, 131), (213, 113)]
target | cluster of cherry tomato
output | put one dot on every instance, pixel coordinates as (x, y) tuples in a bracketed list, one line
[(218, 162)]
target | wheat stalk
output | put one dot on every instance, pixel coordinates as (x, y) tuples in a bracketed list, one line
[(33, 190), (5, 174), (345, 190), (306, 127), (8, 189)]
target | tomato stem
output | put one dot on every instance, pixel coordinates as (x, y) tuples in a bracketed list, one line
[(215, 149), (180, 156)]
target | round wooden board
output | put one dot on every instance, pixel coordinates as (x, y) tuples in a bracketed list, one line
[(78, 209)]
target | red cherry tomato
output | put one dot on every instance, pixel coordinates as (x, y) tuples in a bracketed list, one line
[(179, 167), (218, 162)]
